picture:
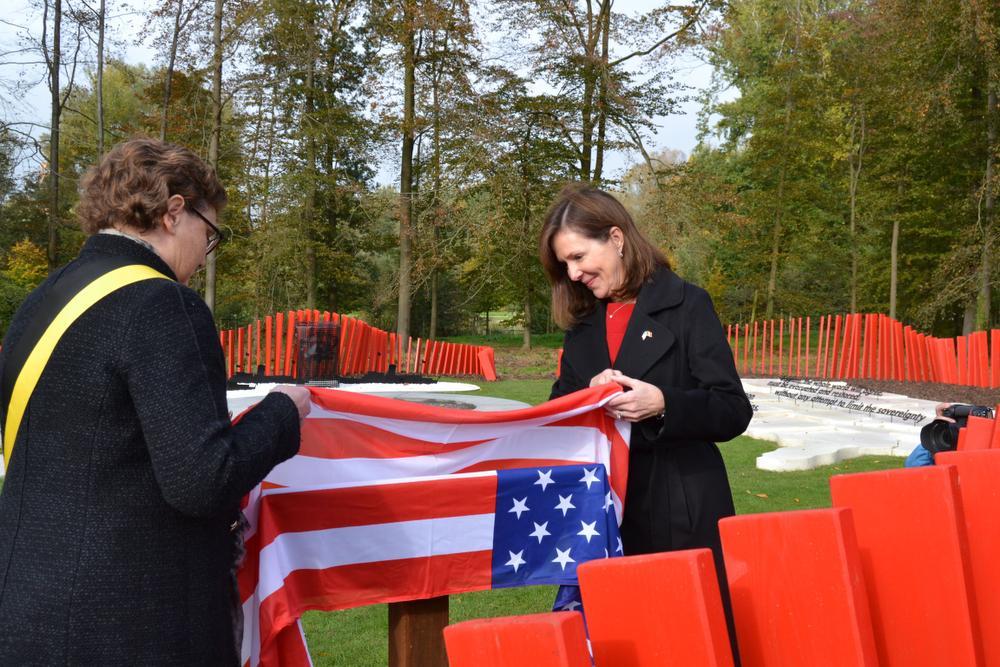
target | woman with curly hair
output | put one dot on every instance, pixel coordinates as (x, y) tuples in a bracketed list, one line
[(119, 516)]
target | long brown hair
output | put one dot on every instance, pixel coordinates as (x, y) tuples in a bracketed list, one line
[(591, 212)]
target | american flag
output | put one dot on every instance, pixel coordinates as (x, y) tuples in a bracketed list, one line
[(389, 501)]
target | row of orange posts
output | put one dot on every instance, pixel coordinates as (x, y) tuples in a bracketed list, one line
[(903, 570), (864, 345), (271, 344)]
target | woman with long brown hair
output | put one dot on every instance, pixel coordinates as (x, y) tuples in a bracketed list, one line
[(631, 320)]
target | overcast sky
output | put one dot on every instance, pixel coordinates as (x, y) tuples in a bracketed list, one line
[(30, 104)]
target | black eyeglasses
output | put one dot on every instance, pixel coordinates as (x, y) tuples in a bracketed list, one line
[(215, 238)]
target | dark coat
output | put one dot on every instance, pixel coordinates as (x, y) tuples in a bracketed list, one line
[(115, 515), (677, 485)]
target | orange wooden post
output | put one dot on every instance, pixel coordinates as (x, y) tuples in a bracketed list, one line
[(994, 358), (826, 343), (867, 347), (836, 337), (905, 519), (249, 348), (897, 337), (963, 359), (427, 356), (753, 361), (409, 352), (819, 346), (656, 609), (736, 347), (770, 350), (797, 591), (342, 346), (781, 343), (927, 357), (856, 361), (268, 333), (845, 347), (239, 349), (746, 347), (289, 339), (983, 359), (487, 364), (257, 335), (978, 435), (791, 344), (808, 333), (556, 639), (950, 356), (279, 323), (908, 353), (978, 473), (230, 346)]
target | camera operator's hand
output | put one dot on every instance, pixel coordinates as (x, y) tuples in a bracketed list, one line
[(939, 412), (641, 400)]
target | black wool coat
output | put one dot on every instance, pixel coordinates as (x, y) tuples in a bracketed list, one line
[(677, 484), (115, 515)]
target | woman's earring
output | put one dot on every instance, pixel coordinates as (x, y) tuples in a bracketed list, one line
[(620, 253)]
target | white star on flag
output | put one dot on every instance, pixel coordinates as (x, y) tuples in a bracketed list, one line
[(515, 559), (565, 504), (588, 530), (544, 479), (540, 531), (589, 477), (572, 605), (520, 506), (607, 501), (619, 549), (562, 557)]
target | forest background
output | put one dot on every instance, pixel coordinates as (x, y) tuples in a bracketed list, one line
[(845, 163)]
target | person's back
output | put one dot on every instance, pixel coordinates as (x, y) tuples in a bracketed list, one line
[(81, 483), (116, 545)]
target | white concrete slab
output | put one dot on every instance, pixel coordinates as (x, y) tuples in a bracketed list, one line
[(822, 423)]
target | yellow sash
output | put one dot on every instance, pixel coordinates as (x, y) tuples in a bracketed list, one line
[(36, 361)]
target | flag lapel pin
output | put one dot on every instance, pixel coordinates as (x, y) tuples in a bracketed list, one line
[(647, 334)]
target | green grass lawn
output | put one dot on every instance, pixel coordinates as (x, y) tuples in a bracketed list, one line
[(358, 637)]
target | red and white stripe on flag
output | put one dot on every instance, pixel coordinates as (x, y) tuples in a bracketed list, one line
[(389, 500)]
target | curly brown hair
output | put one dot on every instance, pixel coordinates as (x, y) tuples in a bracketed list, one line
[(593, 213), (133, 182)]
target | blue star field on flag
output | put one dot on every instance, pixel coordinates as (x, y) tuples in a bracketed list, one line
[(548, 521)]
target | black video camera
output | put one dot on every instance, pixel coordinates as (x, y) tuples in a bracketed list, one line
[(942, 436)]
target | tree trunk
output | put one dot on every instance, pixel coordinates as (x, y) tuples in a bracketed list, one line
[(100, 80), (779, 210), (309, 125), (893, 267), (53, 62), (854, 165), (983, 309), (602, 91), (168, 79), (406, 174), (432, 329), (213, 146), (526, 339)]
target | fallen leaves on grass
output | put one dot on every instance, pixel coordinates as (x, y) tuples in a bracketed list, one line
[(759, 495)]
